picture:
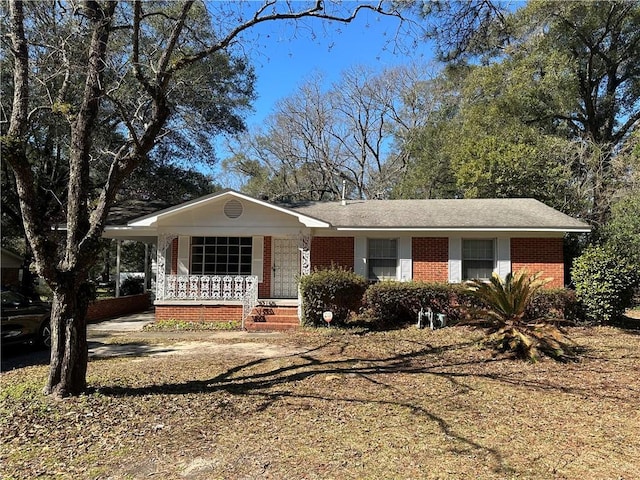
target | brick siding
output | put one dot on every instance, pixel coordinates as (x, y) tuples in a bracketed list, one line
[(114, 307), (174, 257), (326, 251), (199, 313), (430, 258), (264, 288), (539, 254)]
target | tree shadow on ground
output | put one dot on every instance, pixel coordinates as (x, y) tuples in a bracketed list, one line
[(629, 323), (277, 381), (103, 350), (241, 380)]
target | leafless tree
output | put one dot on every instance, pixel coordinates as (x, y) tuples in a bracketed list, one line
[(319, 137), (123, 63)]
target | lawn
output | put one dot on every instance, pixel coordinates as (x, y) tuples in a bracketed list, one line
[(330, 404)]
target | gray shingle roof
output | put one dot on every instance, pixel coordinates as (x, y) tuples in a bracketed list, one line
[(512, 213)]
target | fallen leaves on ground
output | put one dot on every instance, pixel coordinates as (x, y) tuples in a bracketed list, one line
[(345, 405)]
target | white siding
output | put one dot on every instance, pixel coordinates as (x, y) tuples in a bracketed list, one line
[(503, 256), (360, 256), (183, 254), (404, 257), (455, 259), (257, 260)]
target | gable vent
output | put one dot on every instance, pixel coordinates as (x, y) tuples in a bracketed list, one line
[(233, 209)]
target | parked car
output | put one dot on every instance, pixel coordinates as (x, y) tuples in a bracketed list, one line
[(24, 320)]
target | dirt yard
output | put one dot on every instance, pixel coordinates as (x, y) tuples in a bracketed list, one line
[(329, 404)]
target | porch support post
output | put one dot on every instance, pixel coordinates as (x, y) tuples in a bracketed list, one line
[(164, 240), (118, 252), (146, 267), (304, 245)]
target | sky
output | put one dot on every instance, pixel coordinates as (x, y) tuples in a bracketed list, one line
[(285, 54), (288, 54)]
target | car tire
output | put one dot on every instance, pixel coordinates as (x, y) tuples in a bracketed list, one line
[(44, 335)]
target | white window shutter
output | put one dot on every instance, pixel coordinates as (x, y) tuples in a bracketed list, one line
[(404, 257), (257, 257), (455, 259), (183, 254), (503, 257), (360, 256)]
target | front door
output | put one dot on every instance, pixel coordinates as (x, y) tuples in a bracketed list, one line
[(285, 267)]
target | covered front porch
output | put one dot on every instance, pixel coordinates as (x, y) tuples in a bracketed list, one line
[(225, 258)]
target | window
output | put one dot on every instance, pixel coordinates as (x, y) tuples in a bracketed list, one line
[(383, 258), (478, 259), (221, 255)]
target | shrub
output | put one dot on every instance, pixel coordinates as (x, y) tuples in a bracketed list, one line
[(507, 303), (335, 289), (393, 304), (604, 283), (132, 286), (558, 304)]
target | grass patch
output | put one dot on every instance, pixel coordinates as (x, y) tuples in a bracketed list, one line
[(173, 325), (349, 405)]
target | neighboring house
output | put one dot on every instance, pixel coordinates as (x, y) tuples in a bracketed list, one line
[(11, 268), (220, 255)]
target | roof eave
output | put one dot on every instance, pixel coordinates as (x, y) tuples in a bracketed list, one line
[(152, 220), (468, 229)]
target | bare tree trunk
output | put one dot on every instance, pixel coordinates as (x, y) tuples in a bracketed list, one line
[(69, 351)]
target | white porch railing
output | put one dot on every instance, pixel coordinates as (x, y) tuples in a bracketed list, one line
[(211, 287)]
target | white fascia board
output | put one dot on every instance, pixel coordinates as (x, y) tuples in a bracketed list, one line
[(145, 222), (230, 231), (466, 229), (153, 219), (123, 231)]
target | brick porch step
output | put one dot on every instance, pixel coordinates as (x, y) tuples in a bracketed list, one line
[(272, 319)]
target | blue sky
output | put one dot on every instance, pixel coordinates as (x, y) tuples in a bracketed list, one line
[(285, 54), (288, 53)]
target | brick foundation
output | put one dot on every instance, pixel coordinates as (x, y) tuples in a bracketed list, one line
[(199, 313), (430, 258), (539, 255)]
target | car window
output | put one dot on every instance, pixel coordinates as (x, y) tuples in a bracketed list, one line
[(11, 298)]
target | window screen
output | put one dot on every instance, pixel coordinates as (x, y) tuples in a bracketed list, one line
[(383, 258), (221, 255), (478, 259)]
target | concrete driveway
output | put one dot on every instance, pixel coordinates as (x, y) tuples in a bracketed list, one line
[(124, 336)]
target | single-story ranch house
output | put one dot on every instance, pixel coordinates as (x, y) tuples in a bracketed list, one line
[(221, 255)]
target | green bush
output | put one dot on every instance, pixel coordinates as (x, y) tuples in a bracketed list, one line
[(395, 304), (507, 301), (335, 289), (604, 283), (391, 304), (558, 304), (132, 286)]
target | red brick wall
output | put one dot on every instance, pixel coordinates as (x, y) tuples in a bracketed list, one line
[(539, 254), (430, 258), (114, 307), (174, 257), (264, 288), (332, 250), (199, 313)]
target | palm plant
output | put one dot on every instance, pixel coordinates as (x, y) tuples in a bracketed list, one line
[(505, 313)]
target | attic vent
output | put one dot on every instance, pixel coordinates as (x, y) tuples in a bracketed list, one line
[(233, 209)]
